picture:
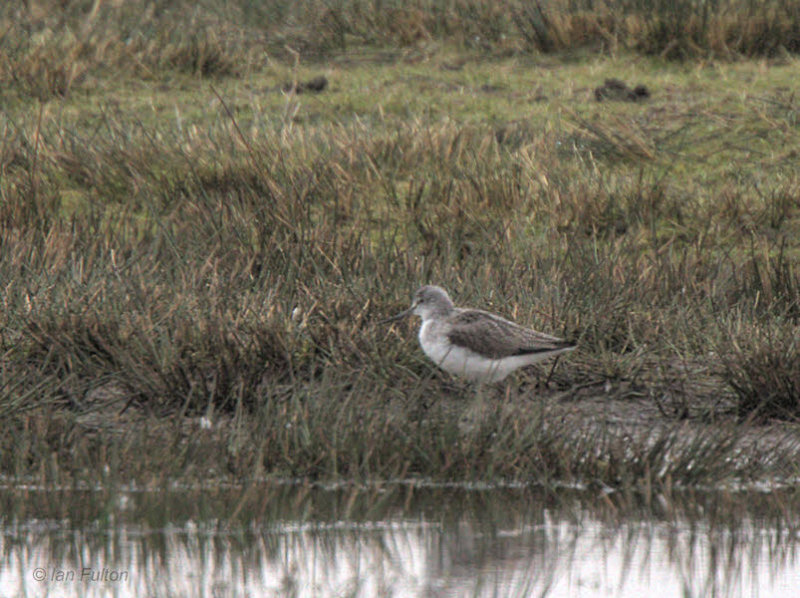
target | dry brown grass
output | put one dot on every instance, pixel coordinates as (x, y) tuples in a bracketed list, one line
[(249, 281), (49, 48)]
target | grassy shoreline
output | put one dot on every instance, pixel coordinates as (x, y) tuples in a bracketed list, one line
[(179, 242)]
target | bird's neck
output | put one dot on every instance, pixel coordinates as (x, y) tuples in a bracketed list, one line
[(439, 313)]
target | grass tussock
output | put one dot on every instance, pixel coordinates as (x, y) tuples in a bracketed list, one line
[(760, 365)]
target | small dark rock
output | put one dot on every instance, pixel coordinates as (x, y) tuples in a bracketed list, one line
[(614, 89), (315, 85)]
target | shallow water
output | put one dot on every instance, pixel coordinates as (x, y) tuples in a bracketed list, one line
[(277, 539)]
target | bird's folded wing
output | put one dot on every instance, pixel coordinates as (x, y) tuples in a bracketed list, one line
[(494, 337)]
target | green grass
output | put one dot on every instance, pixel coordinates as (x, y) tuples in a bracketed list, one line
[(182, 239)]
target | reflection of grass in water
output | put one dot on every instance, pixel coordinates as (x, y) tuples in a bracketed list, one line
[(169, 251), (514, 536)]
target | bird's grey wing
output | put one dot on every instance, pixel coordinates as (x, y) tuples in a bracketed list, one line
[(494, 337)]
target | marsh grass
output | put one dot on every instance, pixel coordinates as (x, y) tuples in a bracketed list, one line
[(226, 253), (51, 48)]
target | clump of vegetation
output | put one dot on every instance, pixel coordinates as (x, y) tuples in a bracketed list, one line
[(760, 365)]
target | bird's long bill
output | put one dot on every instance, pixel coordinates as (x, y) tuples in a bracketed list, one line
[(399, 316)]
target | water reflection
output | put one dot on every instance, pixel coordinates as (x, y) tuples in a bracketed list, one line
[(401, 540)]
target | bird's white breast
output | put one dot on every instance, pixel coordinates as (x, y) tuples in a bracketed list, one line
[(458, 360), (468, 364)]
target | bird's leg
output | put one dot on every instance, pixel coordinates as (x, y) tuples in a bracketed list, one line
[(552, 369)]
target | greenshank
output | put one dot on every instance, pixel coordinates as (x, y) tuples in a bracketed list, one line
[(475, 344)]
